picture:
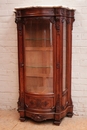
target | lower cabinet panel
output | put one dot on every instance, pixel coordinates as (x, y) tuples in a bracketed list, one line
[(34, 102)]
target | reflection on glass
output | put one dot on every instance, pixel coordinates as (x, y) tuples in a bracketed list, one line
[(64, 56), (38, 57)]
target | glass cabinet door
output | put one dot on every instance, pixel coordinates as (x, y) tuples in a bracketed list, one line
[(38, 50)]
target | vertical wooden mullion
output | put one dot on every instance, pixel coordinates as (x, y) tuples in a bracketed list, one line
[(54, 62), (59, 63), (69, 58), (21, 67)]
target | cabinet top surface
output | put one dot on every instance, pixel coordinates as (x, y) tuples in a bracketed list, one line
[(37, 7), (44, 11)]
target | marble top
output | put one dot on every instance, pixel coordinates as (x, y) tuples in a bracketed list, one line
[(27, 7)]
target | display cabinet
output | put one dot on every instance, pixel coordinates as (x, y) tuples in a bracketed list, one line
[(44, 60)]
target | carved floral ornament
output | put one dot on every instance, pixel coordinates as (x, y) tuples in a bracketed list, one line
[(61, 12), (38, 103), (17, 20), (37, 117)]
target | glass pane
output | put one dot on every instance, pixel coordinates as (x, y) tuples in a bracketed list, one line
[(38, 56), (64, 56)]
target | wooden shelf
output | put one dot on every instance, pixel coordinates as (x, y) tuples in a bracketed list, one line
[(38, 48), (39, 75), (39, 39), (39, 66)]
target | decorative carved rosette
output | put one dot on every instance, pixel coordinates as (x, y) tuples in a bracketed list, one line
[(19, 23), (57, 24), (60, 12), (37, 117)]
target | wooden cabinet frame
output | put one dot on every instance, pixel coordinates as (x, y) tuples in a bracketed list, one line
[(58, 104)]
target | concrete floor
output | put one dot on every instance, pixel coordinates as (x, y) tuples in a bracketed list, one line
[(9, 120)]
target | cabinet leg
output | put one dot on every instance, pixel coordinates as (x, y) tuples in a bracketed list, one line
[(69, 114), (22, 119), (57, 122)]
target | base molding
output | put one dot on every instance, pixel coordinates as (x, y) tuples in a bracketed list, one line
[(39, 117)]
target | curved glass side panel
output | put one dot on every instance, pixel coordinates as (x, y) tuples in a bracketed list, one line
[(64, 56)]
